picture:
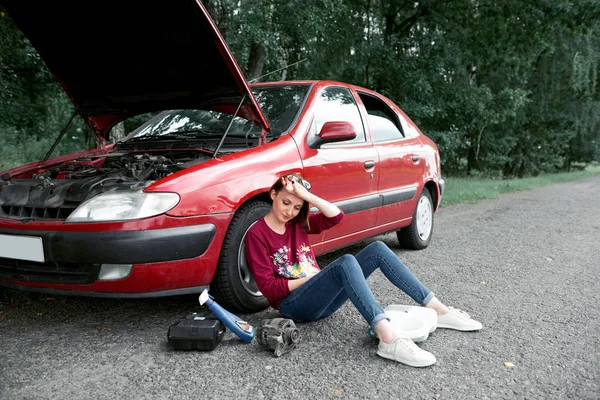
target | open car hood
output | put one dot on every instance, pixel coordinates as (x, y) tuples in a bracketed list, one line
[(118, 58)]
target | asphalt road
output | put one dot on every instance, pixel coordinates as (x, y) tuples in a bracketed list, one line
[(526, 265)]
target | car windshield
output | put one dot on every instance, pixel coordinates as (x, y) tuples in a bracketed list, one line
[(280, 105)]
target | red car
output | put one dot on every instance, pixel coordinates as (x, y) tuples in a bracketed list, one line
[(164, 211)]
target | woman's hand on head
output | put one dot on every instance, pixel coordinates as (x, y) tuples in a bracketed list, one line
[(295, 188)]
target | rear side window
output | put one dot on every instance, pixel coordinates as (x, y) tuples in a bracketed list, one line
[(337, 104), (383, 122)]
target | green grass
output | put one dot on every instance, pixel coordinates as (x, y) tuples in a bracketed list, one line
[(469, 190)]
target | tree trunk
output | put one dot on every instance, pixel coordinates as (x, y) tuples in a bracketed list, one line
[(472, 156), (389, 28), (219, 14), (256, 61), (293, 57)]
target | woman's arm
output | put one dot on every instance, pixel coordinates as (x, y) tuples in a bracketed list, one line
[(272, 286), (328, 209), (294, 284)]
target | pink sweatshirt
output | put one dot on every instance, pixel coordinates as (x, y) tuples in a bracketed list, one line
[(275, 258)]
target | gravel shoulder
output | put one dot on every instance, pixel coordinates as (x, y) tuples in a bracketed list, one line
[(525, 265)]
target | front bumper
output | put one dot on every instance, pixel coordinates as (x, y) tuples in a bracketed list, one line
[(123, 247), (112, 295), (165, 262)]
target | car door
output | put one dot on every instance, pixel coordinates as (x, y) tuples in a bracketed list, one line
[(344, 173), (401, 164)]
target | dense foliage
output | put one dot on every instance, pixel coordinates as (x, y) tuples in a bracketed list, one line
[(505, 88)]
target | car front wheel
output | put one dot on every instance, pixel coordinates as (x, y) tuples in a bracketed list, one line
[(233, 285), (417, 235)]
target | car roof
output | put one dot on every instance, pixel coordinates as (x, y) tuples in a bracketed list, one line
[(316, 82)]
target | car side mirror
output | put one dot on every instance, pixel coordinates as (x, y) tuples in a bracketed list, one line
[(331, 132)]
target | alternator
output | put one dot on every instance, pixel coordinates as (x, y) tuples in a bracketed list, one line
[(279, 335)]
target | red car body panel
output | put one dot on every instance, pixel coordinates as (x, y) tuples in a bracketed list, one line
[(234, 177)]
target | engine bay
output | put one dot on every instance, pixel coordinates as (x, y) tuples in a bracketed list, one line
[(146, 166), (54, 192)]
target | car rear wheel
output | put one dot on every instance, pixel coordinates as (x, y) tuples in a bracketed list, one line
[(234, 286), (417, 235)]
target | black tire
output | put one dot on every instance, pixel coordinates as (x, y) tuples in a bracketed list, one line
[(233, 284), (417, 235)]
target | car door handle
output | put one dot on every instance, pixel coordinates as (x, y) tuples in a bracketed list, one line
[(369, 164), (416, 158)]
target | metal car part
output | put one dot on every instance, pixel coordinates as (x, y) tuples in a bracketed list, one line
[(278, 335)]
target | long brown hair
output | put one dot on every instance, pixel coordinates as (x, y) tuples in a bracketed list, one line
[(304, 213)]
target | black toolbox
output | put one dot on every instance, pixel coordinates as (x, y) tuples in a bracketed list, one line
[(196, 332)]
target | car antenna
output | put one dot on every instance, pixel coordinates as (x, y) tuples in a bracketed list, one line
[(277, 70), (229, 126)]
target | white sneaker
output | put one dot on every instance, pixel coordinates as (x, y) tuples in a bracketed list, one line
[(459, 320), (406, 352)]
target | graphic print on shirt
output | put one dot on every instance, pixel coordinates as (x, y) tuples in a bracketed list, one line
[(306, 261), (285, 268)]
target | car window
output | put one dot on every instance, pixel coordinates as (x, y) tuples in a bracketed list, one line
[(383, 121), (337, 104), (195, 123), (408, 129), (280, 105)]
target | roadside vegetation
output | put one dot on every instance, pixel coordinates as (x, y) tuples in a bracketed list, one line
[(506, 89), (469, 190)]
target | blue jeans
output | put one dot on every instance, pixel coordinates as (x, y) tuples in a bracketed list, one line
[(345, 278)]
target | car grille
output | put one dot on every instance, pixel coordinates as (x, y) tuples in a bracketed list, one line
[(36, 213), (49, 272)]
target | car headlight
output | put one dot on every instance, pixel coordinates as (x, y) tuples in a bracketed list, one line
[(122, 206)]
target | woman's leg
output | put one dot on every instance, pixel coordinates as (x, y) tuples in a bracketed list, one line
[(378, 255), (320, 296)]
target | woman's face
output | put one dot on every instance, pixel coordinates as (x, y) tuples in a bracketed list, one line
[(285, 205)]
